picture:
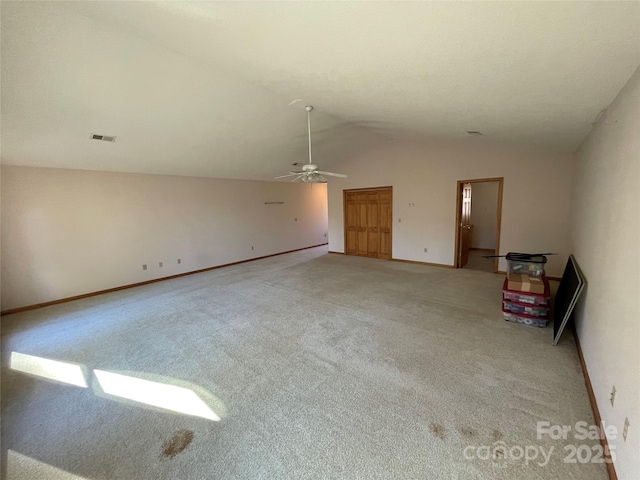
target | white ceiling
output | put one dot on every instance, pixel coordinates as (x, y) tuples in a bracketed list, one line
[(203, 88)]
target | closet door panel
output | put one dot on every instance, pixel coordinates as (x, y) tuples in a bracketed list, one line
[(351, 223), (373, 230), (386, 220), (362, 225), (368, 222)]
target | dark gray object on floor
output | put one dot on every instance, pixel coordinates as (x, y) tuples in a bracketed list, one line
[(569, 291)]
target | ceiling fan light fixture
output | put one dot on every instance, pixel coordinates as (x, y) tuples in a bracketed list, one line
[(313, 179)]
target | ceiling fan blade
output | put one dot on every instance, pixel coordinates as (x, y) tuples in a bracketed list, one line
[(340, 175), (288, 175), (298, 177)]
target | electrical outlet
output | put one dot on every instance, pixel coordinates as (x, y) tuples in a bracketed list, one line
[(425, 249), (399, 220), (179, 261), (295, 219), (251, 247), (325, 235), (613, 395), (144, 267), (626, 428), (160, 264)]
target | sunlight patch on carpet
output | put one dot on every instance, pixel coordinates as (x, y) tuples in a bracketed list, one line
[(51, 369), (20, 467), (162, 395)]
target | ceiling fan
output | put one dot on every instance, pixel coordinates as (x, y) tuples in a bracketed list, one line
[(310, 172)]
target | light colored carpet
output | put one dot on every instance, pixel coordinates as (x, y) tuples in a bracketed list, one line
[(476, 262), (318, 365)]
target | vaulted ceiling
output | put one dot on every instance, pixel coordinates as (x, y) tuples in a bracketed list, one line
[(219, 88)]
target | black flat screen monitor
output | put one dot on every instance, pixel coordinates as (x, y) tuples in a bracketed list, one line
[(567, 296)]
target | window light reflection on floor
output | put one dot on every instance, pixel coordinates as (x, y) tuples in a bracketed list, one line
[(51, 369), (20, 466), (162, 395)]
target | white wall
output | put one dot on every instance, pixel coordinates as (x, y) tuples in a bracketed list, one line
[(484, 203), (536, 196), (69, 232), (605, 216)]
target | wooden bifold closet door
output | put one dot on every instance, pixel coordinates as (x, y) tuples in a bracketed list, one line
[(367, 222)]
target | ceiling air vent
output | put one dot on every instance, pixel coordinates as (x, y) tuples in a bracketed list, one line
[(106, 138), (474, 133)]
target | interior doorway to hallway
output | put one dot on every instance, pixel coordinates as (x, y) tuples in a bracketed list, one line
[(478, 220)]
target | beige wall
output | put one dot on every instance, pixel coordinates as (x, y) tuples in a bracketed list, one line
[(536, 196), (484, 204), (69, 232), (605, 232)]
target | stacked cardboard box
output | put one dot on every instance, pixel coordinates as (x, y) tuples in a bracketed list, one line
[(525, 293)]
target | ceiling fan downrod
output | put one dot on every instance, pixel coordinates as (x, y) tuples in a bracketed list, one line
[(308, 108)]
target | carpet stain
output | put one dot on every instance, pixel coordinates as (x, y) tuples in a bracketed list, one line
[(467, 432), (177, 444), (438, 430), (496, 435)]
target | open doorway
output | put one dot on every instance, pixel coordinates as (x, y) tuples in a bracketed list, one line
[(478, 219)]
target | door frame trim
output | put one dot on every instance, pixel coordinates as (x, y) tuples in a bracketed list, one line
[(459, 186), (344, 212)]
